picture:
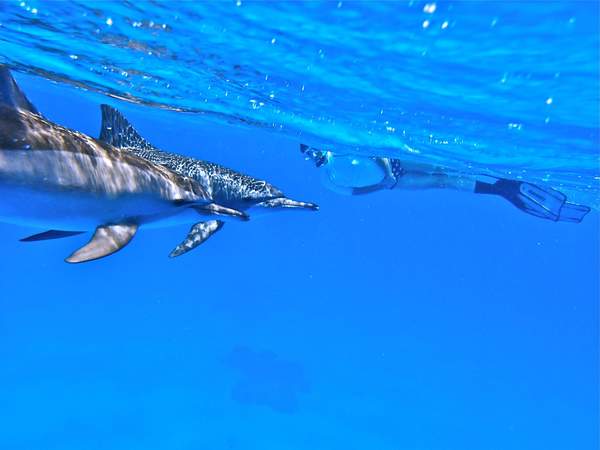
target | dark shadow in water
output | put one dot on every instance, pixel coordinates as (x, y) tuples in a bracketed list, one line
[(265, 379)]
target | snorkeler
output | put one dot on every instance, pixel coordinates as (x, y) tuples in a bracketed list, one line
[(355, 175)]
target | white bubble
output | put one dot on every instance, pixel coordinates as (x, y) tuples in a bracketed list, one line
[(425, 24), (273, 40), (109, 22), (429, 8), (445, 25), (549, 101)]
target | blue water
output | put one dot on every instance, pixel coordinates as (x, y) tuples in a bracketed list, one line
[(430, 320)]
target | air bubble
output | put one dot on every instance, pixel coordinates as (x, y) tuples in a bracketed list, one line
[(429, 8)]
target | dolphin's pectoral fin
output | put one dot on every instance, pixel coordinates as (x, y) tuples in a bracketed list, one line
[(50, 234), (219, 210), (197, 235), (284, 202), (107, 240)]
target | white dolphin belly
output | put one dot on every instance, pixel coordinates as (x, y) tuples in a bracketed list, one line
[(74, 211)]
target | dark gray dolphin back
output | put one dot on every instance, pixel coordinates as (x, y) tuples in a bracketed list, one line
[(227, 186), (10, 94)]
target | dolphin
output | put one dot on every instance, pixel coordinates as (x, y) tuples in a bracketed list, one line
[(57, 178), (224, 186)]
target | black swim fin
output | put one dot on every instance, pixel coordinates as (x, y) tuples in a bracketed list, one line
[(546, 203), (319, 157)]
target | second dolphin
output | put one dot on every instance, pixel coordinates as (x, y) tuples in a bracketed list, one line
[(224, 186)]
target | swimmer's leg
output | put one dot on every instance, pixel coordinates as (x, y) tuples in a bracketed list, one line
[(435, 180)]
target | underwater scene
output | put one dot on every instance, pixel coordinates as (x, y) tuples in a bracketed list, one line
[(253, 225)]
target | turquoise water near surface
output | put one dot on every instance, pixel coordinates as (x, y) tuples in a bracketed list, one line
[(507, 87)]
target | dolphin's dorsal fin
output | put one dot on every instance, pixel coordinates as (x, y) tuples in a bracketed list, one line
[(11, 95), (118, 132)]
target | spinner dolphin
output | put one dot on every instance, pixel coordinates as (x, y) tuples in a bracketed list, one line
[(224, 186), (55, 178)]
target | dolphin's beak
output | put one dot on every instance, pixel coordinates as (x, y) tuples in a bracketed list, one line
[(284, 202)]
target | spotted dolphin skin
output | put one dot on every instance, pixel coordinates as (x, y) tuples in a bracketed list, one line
[(223, 185), (55, 178)]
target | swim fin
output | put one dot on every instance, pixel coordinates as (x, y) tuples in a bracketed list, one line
[(572, 212), (319, 157), (546, 203)]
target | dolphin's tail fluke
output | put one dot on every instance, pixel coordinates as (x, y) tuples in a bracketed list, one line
[(10, 93)]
